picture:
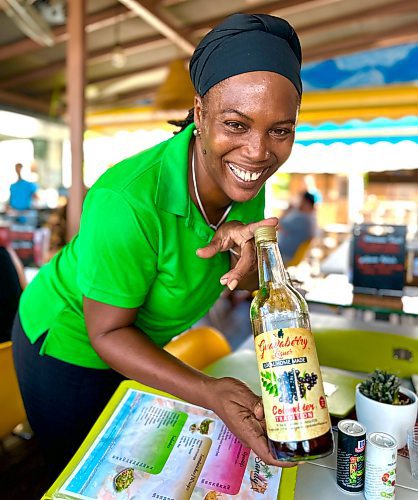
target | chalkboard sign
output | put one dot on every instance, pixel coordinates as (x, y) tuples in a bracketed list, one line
[(379, 255)]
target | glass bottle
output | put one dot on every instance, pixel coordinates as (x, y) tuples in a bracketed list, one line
[(297, 419)]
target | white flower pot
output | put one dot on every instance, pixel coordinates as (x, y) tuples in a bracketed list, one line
[(382, 417)]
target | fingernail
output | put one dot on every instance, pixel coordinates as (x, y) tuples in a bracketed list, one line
[(233, 284), (223, 281)]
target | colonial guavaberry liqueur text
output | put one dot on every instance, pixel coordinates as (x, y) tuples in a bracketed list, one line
[(297, 419)]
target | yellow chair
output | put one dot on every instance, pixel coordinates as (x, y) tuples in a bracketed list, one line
[(12, 411), (300, 253), (364, 351), (199, 347)]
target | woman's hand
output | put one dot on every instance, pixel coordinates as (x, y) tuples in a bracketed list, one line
[(239, 238), (242, 412)]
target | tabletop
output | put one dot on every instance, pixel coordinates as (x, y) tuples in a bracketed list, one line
[(315, 479), (335, 290)]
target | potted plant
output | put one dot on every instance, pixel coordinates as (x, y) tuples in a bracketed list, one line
[(382, 404)]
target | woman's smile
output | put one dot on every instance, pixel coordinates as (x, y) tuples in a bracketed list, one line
[(244, 175)]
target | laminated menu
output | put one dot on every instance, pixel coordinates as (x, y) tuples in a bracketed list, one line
[(155, 447)]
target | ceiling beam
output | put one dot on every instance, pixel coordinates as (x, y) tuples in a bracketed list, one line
[(144, 9), (283, 7), (129, 72), (403, 34), (22, 101), (94, 56), (376, 12), (94, 22)]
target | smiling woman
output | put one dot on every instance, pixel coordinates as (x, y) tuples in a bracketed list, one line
[(153, 251)]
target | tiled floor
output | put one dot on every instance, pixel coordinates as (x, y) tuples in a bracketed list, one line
[(22, 475)]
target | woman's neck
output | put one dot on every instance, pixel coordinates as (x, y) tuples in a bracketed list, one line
[(213, 200)]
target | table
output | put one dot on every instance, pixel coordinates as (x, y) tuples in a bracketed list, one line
[(335, 290), (314, 479)]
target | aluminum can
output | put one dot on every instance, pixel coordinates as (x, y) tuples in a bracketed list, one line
[(381, 454), (351, 455)]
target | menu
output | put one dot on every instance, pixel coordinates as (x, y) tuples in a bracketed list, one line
[(153, 447), (379, 258)]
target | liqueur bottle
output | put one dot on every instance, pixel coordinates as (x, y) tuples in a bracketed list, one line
[(297, 419)]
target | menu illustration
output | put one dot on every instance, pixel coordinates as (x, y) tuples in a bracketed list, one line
[(154, 447)]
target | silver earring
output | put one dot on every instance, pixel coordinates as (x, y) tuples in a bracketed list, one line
[(196, 132)]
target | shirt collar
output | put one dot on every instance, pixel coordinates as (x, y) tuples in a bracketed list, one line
[(172, 190)]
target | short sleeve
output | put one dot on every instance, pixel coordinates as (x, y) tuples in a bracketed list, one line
[(117, 258)]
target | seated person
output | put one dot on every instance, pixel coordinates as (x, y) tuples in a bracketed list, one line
[(12, 283), (296, 226)]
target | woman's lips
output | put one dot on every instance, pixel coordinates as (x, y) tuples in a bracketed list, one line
[(243, 174)]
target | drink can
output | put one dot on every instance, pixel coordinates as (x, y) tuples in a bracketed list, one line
[(381, 454), (350, 455)]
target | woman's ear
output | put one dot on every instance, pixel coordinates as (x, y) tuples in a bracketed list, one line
[(197, 111)]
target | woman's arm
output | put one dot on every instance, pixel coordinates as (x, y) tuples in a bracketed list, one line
[(129, 351)]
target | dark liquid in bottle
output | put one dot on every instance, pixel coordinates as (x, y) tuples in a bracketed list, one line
[(310, 449)]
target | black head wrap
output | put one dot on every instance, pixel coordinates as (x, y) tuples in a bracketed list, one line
[(243, 43)]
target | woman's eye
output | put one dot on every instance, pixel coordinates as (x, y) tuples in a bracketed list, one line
[(235, 126), (280, 132)]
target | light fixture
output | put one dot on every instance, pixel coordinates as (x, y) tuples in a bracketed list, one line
[(118, 58), (177, 91)]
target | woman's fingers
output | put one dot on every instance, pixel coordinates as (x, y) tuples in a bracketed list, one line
[(232, 234), (246, 231), (245, 264)]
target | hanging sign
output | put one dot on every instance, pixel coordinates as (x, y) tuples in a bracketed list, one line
[(378, 258)]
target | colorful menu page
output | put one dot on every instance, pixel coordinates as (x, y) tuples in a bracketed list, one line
[(153, 447)]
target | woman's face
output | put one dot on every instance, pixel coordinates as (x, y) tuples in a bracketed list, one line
[(247, 125)]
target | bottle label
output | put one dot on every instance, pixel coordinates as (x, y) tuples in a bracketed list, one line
[(294, 401)]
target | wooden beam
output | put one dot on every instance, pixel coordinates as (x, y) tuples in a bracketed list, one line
[(129, 72), (95, 56), (403, 34), (94, 22), (145, 10), (283, 7), (373, 13), (76, 67), (23, 102)]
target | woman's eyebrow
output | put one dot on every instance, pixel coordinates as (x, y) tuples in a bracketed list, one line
[(279, 122)]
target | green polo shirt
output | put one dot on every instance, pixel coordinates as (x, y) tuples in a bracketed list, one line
[(136, 247)]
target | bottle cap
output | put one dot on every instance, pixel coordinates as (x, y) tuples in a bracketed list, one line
[(265, 233)]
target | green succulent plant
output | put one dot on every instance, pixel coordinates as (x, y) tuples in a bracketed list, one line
[(383, 387)]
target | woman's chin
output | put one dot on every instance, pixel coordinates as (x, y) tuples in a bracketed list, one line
[(241, 195)]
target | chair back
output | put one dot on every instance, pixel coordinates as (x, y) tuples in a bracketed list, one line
[(364, 351), (199, 347), (300, 253), (12, 411)]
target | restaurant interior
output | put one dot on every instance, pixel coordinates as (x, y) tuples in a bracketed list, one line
[(85, 84)]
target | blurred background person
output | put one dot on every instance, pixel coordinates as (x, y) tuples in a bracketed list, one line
[(22, 192), (12, 283), (296, 226)]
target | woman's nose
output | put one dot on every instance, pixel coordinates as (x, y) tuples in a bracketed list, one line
[(257, 148)]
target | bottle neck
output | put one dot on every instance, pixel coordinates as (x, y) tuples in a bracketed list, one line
[(271, 270)]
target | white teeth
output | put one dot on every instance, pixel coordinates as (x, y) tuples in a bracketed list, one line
[(245, 175)]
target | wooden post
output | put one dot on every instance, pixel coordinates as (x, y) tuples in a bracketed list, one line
[(76, 76)]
